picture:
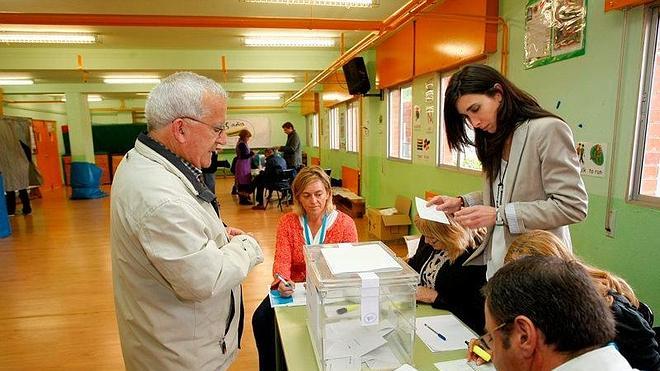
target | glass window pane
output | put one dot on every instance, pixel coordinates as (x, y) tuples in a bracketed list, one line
[(406, 123), (394, 110)]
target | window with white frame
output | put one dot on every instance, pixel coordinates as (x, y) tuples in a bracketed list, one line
[(645, 177), (333, 123), (445, 157), (315, 130), (352, 126), (399, 123)]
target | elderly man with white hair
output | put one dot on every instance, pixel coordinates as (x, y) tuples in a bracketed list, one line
[(176, 268)]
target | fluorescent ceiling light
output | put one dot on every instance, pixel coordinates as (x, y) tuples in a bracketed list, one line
[(48, 37), (16, 82), (131, 80), (267, 80), (90, 98), (344, 3), (291, 42), (262, 96), (336, 96)]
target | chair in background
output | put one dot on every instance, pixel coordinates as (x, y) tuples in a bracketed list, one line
[(225, 166), (283, 188)]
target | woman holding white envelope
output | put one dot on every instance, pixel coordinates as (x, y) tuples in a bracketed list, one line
[(530, 166)]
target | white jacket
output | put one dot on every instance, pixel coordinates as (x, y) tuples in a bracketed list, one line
[(174, 269)]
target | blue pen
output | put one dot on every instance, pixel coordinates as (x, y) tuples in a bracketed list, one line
[(284, 281), (435, 332)]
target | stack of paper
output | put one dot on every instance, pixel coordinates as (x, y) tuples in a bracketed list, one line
[(363, 258), (349, 346), (455, 333)]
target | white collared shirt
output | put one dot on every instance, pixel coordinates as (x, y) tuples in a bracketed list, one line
[(606, 358)]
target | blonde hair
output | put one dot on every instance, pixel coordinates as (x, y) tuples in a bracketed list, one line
[(537, 243), (305, 177), (544, 243), (454, 237)]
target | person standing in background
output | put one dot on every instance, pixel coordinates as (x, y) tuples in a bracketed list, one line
[(243, 171), (14, 166), (292, 149)]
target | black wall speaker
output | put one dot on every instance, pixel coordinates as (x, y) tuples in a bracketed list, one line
[(356, 76)]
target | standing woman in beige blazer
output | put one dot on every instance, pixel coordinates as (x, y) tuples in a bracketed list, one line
[(530, 166)]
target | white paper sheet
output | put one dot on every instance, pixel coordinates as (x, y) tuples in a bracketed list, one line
[(298, 296), (449, 326), (430, 213), (463, 365), (363, 258)]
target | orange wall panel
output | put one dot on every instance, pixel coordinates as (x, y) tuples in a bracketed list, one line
[(309, 103), (335, 84), (47, 157), (350, 178), (453, 33), (394, 58), (621, 4)]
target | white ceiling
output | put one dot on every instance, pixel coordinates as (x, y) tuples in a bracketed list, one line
[(134, 38)]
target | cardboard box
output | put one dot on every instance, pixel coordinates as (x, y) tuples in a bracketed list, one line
[(390, 227)]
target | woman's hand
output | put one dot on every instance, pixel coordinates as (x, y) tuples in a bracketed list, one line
[(476, 216), (426, 295), (231, 231), (286, 291), (448, 204)]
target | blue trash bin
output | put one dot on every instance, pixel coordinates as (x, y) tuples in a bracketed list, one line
[(5, 227), (85, 181)]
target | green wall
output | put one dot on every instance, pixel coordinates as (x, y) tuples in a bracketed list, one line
[(587, 88)]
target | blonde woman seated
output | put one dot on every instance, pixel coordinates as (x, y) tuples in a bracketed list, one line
[(635, 337), (314, 221), (444, 282)]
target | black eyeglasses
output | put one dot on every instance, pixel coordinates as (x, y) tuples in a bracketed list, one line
[(217, 129), (487, 339)]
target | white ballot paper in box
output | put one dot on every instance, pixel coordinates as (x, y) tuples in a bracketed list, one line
[(433, 329), (463, 365), (429, 212), (363, 258)]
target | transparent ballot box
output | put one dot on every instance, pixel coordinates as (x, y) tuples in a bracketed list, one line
[(361, 306)]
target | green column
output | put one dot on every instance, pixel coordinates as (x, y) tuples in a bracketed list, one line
[(80, 127)]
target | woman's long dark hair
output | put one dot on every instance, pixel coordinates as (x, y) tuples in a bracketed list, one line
[(516, 107)]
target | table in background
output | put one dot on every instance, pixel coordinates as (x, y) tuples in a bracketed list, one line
[(299, 354)]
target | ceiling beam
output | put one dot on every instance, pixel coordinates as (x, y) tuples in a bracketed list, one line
[(131, 20)]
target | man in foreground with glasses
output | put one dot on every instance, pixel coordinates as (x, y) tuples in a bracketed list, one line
[(176, 269), (543, 313)]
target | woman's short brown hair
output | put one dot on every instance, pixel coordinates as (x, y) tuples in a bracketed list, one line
[(245, 133), (305, 177)]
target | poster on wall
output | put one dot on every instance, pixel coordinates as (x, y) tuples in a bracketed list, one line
[(423, 149), (259, 127), (554, 31), (591, 157)]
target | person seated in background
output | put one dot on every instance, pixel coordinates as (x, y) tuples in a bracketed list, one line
[(635, 337), (269, 175), (544, 313), (444, 282), (314, 221)]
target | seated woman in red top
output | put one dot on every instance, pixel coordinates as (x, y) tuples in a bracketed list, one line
[(314, 221)]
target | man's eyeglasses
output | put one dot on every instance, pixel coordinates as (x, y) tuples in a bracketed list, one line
[(487, 339), (217, 129)]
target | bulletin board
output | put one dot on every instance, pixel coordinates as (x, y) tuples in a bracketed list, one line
[(554, 31), (258, 126)]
